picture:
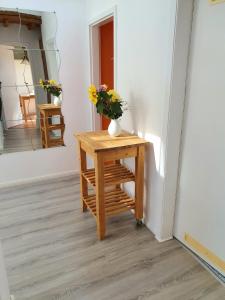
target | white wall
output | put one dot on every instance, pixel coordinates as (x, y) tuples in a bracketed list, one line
[(49, 30), (10, 97), (145, 36), (73, 74), (29, 38), (23, 71), (201, 191)]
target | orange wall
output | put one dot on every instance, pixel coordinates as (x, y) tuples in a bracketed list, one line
[(106, 60)]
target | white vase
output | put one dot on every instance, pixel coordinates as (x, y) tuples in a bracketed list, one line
[(114, 128), (57, 100)]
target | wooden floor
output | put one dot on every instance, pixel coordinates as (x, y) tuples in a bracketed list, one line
[(21, 139), (51, 252)]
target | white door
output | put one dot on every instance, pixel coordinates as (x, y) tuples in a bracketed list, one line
[(200, 211)]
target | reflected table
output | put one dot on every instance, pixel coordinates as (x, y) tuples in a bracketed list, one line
[(49, 113)]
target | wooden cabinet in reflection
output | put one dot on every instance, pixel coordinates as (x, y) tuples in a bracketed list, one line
[(51, 125)]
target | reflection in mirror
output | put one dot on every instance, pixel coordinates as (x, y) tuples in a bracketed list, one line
[(30, 116)]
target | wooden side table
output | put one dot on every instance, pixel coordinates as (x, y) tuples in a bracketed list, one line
[(47, 111), (103, 203)]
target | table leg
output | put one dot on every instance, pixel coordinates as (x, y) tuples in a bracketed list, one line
[(25, 111), (100, 205), (117, 162), (41, 129), (63, 128), (46, 133), (83, 182), (139, 182)]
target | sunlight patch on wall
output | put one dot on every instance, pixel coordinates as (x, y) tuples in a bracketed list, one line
[(156, 143)]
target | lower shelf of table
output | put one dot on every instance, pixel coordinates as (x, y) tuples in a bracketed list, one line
[(113, 174), (116, 201)]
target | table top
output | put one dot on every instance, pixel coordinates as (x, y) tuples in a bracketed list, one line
[(101, 140), (47, 106)]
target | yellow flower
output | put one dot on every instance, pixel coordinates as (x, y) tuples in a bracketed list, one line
[(52, 81), (41, 82), (115, 96), (92, 94)]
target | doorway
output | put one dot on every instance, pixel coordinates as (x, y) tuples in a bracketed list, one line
[(199, 218), (103, 57), (106, 53)]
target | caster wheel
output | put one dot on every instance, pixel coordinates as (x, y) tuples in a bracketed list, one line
[(139, 222)]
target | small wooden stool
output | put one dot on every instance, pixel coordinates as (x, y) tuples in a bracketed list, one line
[(103, 203), (47, 111)]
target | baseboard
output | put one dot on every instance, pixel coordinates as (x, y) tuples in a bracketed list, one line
[(157, 237), (163, 240), (38, 179), (208, 255), (205, 264)]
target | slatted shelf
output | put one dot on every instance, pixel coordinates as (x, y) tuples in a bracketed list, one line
[(56, 142), (113, 174), (116, 202), (55, 127)]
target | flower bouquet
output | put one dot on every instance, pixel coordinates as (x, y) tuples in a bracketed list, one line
[(109, 104), (53, 88)]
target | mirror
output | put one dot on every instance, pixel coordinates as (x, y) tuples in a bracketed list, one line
[(30, 109)]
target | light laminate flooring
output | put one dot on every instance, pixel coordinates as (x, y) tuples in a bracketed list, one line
[(21, 139), (52, 253)]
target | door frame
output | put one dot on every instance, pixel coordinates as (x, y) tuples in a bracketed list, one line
[(94, 25)]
